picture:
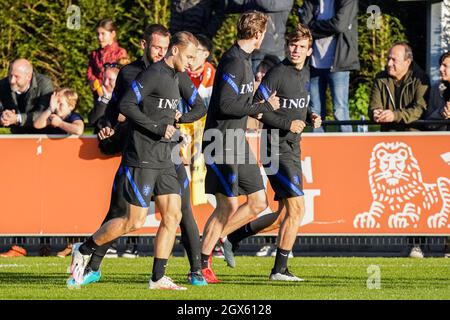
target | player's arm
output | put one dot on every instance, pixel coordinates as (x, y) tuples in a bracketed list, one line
[(268, 85), (140, 88), (233, 103), (189, 94)]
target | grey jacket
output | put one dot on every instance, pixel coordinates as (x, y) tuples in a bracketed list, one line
[(36, 99), (344, 26)]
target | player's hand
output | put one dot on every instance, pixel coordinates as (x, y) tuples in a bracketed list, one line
[(170, 130), (297, 126), (316, 119), (105, 133), (121, 118), (274, 100)]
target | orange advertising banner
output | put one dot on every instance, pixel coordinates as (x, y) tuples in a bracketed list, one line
[(354, 184)]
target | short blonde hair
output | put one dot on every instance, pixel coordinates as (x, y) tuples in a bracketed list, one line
[(250, 23), (70, 95), (182, 39)]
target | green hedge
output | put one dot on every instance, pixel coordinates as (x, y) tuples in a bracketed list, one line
[(38, 31)]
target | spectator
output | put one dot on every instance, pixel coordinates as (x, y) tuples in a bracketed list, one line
[(60, 115), (273, 43), (399, 94), (398, 97), (109, 82), (201, 72), (439, 103), (334, 26), (108, 52), (23, 95), (197, 16)]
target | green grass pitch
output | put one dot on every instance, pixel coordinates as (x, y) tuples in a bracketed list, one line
[(326, 278)]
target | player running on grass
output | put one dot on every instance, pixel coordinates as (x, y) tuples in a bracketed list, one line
[(231, 166), (150, 105), (290, 79)]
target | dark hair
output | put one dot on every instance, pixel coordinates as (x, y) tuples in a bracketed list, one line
[(205, 42), (107, 24), (182, 39), (444, 56), (250, 23), (155, 29), (408, 50)]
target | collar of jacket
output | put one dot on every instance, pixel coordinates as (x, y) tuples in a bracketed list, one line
[(242, 53), (112, 46), (33, 86), (389, 82)]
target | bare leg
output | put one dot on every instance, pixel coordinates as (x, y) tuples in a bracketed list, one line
[(256, 203), (295, 210), (117, 227), (170, 207), (217, 221)]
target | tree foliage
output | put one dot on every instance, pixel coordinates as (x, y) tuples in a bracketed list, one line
[(37, 30)]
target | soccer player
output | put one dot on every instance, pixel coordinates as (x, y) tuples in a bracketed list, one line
[(231, 166), (150, 107), (290, 79), (155, 44)]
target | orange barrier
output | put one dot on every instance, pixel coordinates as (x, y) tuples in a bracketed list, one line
[(358, 184)]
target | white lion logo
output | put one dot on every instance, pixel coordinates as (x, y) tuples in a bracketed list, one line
[(400, 197)]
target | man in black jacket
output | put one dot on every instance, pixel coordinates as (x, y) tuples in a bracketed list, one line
[(23, 95), (334, 26)]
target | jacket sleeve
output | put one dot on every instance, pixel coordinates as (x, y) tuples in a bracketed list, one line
[(375, 98), (269, 5), (130, 103), (231, 102), (346, 12), (189, 94), (217, 18), (416, 109), (40, 104)]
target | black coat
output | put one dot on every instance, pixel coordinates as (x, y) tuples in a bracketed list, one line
[(197, 16)]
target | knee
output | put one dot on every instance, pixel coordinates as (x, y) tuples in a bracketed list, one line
[(227, 209), (296, 211), (258, 205), (172, 219)]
